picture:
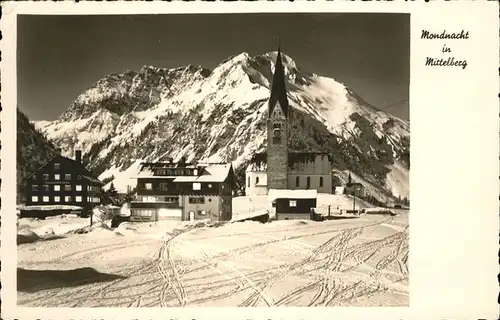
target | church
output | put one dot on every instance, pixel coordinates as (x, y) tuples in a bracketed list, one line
[(277, 168)]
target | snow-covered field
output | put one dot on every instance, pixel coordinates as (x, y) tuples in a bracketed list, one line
[(350, 262)]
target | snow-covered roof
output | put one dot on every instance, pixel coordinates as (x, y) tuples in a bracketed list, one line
[(185, 179), (212, 172), (91, 179), (218, 172), (274, 194), (50, 207)]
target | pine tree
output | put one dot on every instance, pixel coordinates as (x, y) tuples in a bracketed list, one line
[(111, 195), (112, 191)]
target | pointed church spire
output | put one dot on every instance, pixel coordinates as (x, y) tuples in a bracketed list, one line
[(278, 88)]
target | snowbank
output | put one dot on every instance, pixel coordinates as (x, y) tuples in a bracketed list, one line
[(26, 236), (99, 227), (206, 223), (126, 228), (379, 210)]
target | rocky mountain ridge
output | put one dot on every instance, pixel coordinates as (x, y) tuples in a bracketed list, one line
[(220, 115)]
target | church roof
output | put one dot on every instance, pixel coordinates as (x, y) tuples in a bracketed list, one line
[(278, 88)]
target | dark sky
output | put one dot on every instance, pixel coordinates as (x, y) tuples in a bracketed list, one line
[(59, 57)]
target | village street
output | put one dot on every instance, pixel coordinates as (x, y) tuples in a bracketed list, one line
[(358, 262)]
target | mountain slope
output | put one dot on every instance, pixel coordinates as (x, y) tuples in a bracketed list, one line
[(220, 115), (33, 149)]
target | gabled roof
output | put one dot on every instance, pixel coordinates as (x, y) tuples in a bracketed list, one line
[(278, 88), (274, 194), (210, 172), (217, 172), (58, 156), (92, 179)]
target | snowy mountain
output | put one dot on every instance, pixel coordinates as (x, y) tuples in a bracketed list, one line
[(33, 149), (220, 115)]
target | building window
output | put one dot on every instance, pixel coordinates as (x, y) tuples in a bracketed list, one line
[(248, 182), (202, 212), (57, 199), (171, 199), (34, 199), (196, 200), (321, 181), (78, 199), (34, 187), (57, 187), (163, 186), (143, 212), (148, 199), (161, 172), (209, 185), (45, 199), (78, 187), (57, 166), (67, 176), (89, 199), (45, 187), (277, 125), (195, 172), (67, 187), (308, 182), (67, 199), (256, 180), (293, 203), (57, 176), (148, 186), (45, 176), (297, 181), (196, 186), (276, 136)]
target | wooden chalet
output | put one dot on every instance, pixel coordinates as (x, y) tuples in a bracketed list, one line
[(180, 191), (61, 185)]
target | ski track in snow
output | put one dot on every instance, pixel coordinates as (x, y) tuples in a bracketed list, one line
[(312, 265)]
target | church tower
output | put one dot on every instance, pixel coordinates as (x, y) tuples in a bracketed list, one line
[(277, 130)]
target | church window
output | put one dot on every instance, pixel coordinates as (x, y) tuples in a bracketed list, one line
[(256, 180), (277, 125), (321, 181), (277, 136), (297, 181), (308, 183)]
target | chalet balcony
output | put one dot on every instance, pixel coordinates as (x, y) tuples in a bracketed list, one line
[(154, 205)]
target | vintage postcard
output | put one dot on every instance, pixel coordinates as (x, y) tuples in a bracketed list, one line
[(220, 160)]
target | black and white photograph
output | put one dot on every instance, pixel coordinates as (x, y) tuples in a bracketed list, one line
[(236, 160), (213, 160), (162, 160)]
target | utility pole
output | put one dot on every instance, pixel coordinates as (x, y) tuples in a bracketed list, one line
[(354, 202)]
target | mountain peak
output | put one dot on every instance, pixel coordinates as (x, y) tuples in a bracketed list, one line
[(286, 60), (221, 115)]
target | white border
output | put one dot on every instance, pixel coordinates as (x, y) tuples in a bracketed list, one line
[(454, 189)]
